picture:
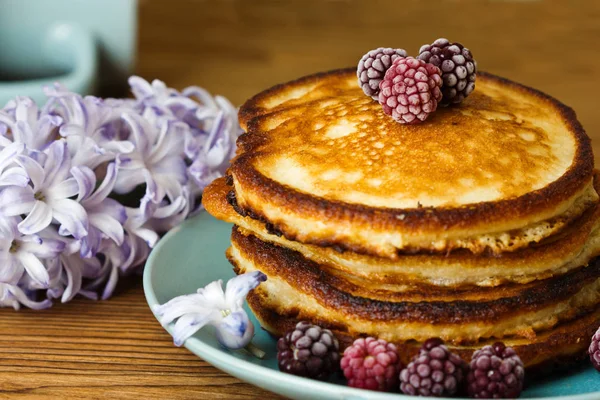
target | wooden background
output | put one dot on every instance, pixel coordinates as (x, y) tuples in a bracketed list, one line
[(116, 349)]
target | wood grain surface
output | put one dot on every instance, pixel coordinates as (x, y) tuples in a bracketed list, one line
[(116, 349)]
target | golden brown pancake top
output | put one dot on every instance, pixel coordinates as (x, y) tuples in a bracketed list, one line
[(322, 164), (326, 138)]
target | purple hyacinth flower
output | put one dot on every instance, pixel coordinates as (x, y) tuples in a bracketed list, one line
[(25, 253), (49, 197), (213, 306)]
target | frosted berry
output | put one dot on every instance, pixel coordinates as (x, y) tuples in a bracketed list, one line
[(594, 350), (372, 67), (410, 90), (458, 68), (496, 372), (308, 350), (372, 364), (435, 371)]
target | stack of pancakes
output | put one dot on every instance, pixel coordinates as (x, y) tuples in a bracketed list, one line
[(480, 224)]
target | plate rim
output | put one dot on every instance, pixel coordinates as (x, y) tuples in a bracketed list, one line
[(228, 361)]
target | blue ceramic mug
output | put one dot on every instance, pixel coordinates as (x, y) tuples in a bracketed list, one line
[(82, 44)]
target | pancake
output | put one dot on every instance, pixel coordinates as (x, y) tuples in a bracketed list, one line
[(570, 249), (299, 287), (560, 347), (322, 164)]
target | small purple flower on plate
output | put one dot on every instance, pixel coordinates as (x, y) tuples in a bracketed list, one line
[(213, 306)]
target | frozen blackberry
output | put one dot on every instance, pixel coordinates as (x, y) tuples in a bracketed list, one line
[(372, 364), (459, 69), (435, 371), (372, 67), (496, 372), (594, 350), (410, 90), (308, 350)]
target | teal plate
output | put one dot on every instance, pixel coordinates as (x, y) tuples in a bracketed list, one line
[(193, 255)]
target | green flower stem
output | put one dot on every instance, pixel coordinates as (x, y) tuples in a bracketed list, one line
[(255, 351)]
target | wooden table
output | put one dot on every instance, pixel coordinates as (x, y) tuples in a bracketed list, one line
[(115, 348)]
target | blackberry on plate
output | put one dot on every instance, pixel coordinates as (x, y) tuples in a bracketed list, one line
[(308, 350), (496, 372), (372, 67), (459, 69), (372, 364), (435, 371), (410, 90)]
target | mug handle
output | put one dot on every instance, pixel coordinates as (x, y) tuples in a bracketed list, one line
[(69, 47)]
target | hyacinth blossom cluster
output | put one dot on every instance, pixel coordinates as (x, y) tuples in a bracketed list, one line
[(87, 185)]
